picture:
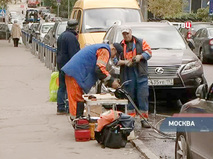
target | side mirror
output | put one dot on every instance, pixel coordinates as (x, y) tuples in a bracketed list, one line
[(191, 44), (202, 91)]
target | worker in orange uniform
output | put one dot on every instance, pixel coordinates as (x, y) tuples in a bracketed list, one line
[(133, 66), (84, 69)]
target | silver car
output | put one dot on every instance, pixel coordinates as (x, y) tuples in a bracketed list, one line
[(196, 145), (43, 29)]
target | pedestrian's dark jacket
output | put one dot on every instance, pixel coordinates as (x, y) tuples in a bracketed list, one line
[(67, 46), (141, 67)]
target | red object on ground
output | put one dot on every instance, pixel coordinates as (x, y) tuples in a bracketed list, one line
[(82, 131), (82, 135), (82, 121)]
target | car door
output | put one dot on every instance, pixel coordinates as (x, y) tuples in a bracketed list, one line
[(201, 142), (52, 38), (207, 42), (197, 39), (47, 36), (203, 39)]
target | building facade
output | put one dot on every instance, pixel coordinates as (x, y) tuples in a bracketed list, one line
[(193, 5)]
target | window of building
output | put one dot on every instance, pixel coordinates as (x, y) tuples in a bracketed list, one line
[(187, 6), (204, 3)]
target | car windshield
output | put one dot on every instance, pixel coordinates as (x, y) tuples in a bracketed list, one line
[(101, 19), (196, 27), (61, 28), (45, 28), (158, 38)]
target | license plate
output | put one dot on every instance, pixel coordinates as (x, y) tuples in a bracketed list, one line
[(161, 82)]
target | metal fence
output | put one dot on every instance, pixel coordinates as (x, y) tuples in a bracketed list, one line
[(45, 53)]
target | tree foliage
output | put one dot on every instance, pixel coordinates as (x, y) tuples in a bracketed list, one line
[(63, 7), (165, 8), (3, 4), (203, 13)]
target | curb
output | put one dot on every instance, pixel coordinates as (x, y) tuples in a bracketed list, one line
[(143, 149)]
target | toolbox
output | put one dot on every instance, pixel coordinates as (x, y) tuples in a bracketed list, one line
[(82, 130)]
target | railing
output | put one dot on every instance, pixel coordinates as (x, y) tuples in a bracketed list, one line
[(45, 53)]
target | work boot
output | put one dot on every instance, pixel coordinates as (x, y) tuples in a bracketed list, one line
[(132, 113), (80, 109), (145, 123)]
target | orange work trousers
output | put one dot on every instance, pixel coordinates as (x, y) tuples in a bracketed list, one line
[(74, 93)]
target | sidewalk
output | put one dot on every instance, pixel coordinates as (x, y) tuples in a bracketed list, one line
[(29, 126)]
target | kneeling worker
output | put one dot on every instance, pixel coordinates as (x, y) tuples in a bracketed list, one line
[(84, 69)]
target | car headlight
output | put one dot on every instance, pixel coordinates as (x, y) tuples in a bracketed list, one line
[(191, 67)]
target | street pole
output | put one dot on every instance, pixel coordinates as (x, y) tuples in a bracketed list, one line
[(68, 9), (144, 8)]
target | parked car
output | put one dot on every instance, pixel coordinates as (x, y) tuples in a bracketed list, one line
[(43, 29), (58, 28), (203, 41), (32, 31), (45, 15), (194, 145), (195, 26), (181, 71), (31, 16), (4, 31), (47, 36), (50, 17), (44, 11)]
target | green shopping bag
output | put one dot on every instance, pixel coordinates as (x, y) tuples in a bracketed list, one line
[(53, 87)]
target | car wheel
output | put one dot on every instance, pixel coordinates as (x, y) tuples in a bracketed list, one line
[(181, 147), (202, 56)]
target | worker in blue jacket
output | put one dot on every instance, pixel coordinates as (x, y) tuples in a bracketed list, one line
[(84, 69), (67, 46)]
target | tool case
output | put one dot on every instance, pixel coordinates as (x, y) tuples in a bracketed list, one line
[(82, 130)]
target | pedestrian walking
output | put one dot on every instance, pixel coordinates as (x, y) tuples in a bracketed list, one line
[(15, 33), (84, 69), (133, 67), (67, 46)]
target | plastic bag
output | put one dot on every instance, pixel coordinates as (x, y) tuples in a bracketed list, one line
[(53, 87), (20, 40)]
